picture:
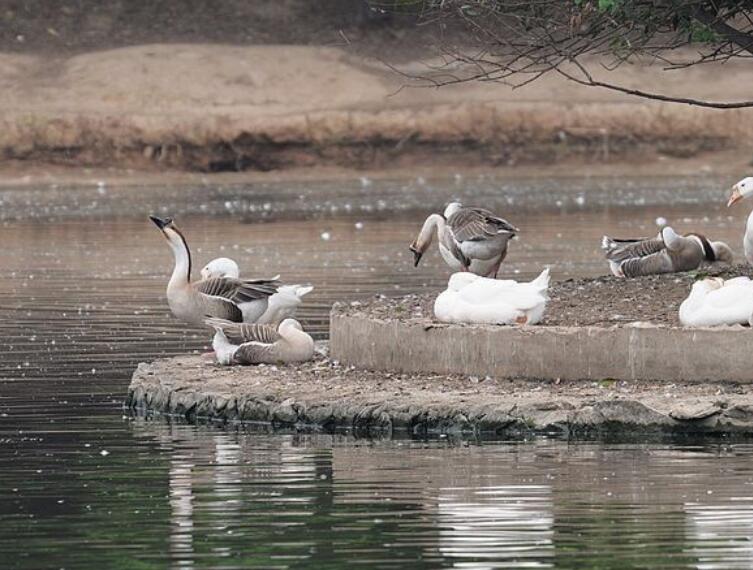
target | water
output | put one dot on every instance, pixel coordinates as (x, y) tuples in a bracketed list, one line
[(85, 486)]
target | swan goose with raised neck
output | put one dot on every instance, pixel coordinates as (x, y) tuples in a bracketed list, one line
[(472, 299), (236, 300), (741, 191), (470, 239), (668, 252), (715, 302), (282, 305), (241, 343)]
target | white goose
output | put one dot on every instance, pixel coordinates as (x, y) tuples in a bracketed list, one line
[(240, 343), (282, 305), (236, 300), (740, 191), (470, 239), (714, 302), (473, 299)]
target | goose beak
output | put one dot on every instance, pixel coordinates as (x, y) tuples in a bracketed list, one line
[(161, 223), (735, 197), (416, 255)]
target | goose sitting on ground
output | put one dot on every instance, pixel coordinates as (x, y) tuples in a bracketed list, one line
[(740, 191), (240, 343), (668, 252), (236, 300), (714, 302), (470, 239), (473, 299), (282, 305)]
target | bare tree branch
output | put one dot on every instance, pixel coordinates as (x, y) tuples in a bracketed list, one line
[(517, 41)]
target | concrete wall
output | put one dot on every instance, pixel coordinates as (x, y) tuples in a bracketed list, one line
[(638, 352)]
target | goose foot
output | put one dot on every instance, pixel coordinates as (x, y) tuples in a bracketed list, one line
[(521, 320), (208, 355)]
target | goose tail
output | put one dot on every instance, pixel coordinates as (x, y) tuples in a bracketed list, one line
[(541, 283)]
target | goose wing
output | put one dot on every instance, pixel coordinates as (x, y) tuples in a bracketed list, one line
[(619, 250), (239, 333), (237, 290), (476, 224), (658, 262), (221, 296), (255, 353)]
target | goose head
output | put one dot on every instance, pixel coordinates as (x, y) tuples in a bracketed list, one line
[(460, 280), (451, 208), (741, 190), (220, 267), (168, 228), (722, 251), (668, 236), (289, 324), (707, 285), (423, 241)]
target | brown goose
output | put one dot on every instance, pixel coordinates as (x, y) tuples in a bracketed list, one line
[(470, 239), (236, 300), (668, 252), (240, 343)]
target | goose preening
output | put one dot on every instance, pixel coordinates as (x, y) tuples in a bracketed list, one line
[(668, 252), (470, 239), (237, 300), (740, 191), (280, 306), (714, 302), (241, 343), (472, 299)]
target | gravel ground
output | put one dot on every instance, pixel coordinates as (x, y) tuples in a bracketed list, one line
[(600, 301)]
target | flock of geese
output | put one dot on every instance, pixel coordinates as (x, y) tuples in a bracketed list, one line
[(253, 322)]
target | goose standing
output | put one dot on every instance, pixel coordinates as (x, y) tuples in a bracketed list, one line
[(240, 343), (470, 239), (740, 191), (472, 299), (668, 252), (236, 300), (714, 302), (282, 305)]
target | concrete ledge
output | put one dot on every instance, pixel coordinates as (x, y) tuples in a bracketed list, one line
[(324, 395), (631, 352)]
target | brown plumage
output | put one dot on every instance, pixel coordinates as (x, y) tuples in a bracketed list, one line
[(666, 253), (227, 298)]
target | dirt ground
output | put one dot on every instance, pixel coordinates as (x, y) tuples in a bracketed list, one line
[(599, 301), (278, 85)]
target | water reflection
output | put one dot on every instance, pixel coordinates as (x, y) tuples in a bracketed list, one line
[(182, 510), (498, 527), (722, 533)]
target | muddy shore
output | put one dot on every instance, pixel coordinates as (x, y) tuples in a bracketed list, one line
[(222, 108), (323, 395)]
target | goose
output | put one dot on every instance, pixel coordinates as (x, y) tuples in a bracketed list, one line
[(236, 300), (470, 239), (714, 302), (241, 343), (668, 252), (281, 305), (740, 191), (473, 299)]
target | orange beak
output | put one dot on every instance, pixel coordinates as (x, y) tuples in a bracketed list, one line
[(734, 197)]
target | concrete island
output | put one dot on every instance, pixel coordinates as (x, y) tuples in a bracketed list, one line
[(593, 367)]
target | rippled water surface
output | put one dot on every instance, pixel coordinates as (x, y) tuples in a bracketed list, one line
[(84, 486)]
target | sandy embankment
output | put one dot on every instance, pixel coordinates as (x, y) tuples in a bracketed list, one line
[(225, 108)]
